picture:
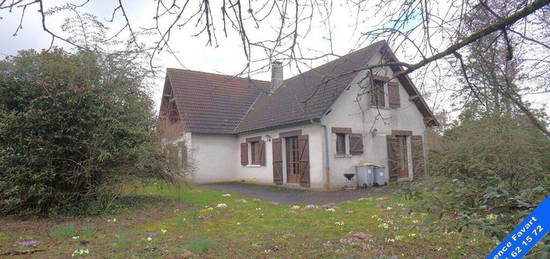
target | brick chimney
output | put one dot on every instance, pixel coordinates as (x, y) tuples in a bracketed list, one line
[(276, 76)]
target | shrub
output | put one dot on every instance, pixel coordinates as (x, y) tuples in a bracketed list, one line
[(488, 173), (71, 127)]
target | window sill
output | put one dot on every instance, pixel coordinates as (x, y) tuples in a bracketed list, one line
[(380, 108), (253, 166), (342, 156)]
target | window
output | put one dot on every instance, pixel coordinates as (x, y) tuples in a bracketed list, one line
[(340, 143), (255, 152), (377, 94)]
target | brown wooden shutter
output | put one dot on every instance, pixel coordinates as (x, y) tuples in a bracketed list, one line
[(303, 149), (356, 144), (262, 152), (417, 156), (393, 157), (381, 98), (277, 161), (244, 153), (393, 94)]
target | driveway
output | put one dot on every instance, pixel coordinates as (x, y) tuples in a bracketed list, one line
[(293, 196)]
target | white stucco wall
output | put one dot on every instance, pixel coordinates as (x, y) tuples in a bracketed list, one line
[(264, 174), (215, 157), (351, 111)]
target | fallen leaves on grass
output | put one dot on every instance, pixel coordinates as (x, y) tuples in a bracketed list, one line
[(205, 217), (327, 244), (23, 252), (27, 242), (362, 236)]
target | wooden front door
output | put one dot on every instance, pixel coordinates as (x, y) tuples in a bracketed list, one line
[(398, 157), (403, 157), (292, 160)]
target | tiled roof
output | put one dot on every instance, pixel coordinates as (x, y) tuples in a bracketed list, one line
[(308, 95), (212, 103), (221, 104)]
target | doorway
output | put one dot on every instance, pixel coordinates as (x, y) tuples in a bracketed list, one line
[(292, 160)]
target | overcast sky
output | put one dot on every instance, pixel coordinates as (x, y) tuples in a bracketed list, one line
[(225, 58)]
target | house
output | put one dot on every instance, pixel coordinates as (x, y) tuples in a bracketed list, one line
[(307, 130)]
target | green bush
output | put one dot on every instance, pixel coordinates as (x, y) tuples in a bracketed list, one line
[(488, 174), (71, 127)]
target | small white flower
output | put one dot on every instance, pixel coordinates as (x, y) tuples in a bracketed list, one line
[(295, 207), (339, 223), (390, 240), (149, 239), (491, 217), (238, 223), (221, 206), (412, 235), (76, 237), (330, 209), (384, 225), (226, 195), (80, 252), (258, 208), (415, 221), (389, 208), (210, 208), (163, 231)]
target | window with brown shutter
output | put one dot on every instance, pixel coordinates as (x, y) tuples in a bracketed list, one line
[(377, 94), (276, 145), (244, 153), (340, 143), (356, 144), (262, 153), (393, 94), (255, 152), (303, 149)]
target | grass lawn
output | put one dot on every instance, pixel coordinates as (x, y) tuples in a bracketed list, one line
[(176, 222)]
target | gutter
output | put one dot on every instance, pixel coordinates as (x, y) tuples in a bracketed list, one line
[(326, 160)]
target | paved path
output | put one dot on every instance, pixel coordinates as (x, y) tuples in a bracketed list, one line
[(293, 196)]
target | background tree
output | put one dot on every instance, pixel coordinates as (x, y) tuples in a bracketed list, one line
[(74, 125)]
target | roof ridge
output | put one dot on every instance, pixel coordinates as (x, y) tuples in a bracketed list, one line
[(339, 58), (215, 74)]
